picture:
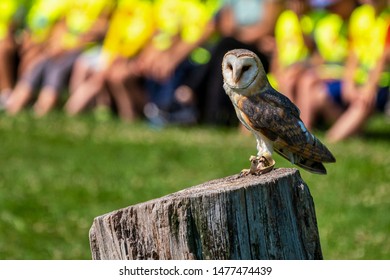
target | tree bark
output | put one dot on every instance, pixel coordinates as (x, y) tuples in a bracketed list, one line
[(271, 216)]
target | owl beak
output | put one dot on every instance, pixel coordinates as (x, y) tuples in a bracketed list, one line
[(236, 76)]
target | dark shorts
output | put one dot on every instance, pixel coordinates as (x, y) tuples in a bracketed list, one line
[(52, 72), (334, 91)]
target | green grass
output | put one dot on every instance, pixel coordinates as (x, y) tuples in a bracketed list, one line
[(57, 174)]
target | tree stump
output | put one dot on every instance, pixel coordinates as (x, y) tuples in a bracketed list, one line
[(271, 216)]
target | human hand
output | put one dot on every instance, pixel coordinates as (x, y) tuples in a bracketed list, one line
[(367, 95)]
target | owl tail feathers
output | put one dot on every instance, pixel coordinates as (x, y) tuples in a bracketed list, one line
[(319, 151), (307, 164), (313, 157), (312, 166), (310, 157)]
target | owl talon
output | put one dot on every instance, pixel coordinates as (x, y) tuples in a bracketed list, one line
[(245, 172), (261, 164)]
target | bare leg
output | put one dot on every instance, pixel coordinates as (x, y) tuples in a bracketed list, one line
[(122, 99), (103, 99), (7, 77), (308, 98), (287, 81), (80, 73), (19, 98), (46, 101), (350, 122), (313, 100), (6, 65), (127, 94), (84, 94)]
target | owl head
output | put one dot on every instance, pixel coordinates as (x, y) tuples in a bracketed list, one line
[(242, 69)]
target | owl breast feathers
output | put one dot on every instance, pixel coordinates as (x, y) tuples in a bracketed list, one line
[(269, 115)]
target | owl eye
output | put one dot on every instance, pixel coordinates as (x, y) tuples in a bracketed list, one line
[(246, 68), (229, 66)]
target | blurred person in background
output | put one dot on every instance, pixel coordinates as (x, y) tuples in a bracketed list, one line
[(293, 47), (241, 24), (318, 86), (69, 27), (11, 21), (40, 21), (150, 46), (114, 73), (365, 87), (182, 28)]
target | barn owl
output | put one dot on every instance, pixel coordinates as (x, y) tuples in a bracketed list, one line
[(270, 116)]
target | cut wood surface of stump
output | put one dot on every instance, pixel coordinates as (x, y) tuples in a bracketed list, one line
[(271, 216)]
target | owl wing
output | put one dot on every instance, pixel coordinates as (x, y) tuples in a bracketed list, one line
[(277, 99), (277, 118)]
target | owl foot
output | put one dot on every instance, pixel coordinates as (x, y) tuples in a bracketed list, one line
[(244, 172), (261, 164)]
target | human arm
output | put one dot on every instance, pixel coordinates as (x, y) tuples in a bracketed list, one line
[(160, 64)]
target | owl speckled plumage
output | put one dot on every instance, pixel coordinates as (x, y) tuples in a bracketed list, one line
[(270, 116)]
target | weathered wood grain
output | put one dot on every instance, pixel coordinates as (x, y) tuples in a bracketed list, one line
[(271, 216)]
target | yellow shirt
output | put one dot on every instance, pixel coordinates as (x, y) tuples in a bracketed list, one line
[(368, 38), (7, 11), (332, 45), (80, 18), (195, 16), (42, 16), (289, 39), (186, 18), (131, 26)]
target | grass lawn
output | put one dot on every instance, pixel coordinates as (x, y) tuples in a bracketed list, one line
[(57, 174)]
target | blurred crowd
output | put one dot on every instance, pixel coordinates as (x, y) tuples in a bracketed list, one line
[(160, 60)]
